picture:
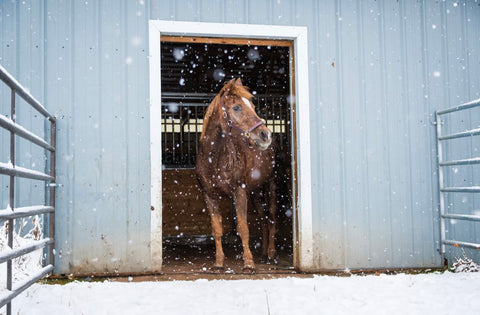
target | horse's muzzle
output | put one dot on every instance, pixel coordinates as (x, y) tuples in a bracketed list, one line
[(262, 138)]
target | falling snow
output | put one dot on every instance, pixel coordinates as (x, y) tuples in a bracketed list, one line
[(178, 53)]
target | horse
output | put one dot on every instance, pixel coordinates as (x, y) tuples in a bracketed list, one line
[(236, 159)]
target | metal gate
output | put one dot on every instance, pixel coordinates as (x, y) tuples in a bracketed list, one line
[(13, 171), (445, 160)]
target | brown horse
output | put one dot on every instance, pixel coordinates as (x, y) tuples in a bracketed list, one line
[(236, 160)]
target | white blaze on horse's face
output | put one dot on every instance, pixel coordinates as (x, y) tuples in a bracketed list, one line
[(247, 122), (247, 102)]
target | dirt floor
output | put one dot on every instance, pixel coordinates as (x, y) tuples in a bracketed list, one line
[(198, 258), (192, 262), (189, 262)]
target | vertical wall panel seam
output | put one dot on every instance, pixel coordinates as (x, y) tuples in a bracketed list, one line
[(72, 131), (17, 41), (407, 113), (445, 74), (470, 96), (385, 115), (198, 11), (445, 58), (224, 12), (100, 95), (341, 131), (429, 121), (465, 53), (293, 12), (270, 12), (318, 116), (30, 111), (466, 97), (467, 90), (43, 52), (363, 100), (17, 68), (128, 124), (174, 10), (125, 121)]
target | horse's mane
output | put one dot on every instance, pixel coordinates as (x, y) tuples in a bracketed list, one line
[(230, 88)]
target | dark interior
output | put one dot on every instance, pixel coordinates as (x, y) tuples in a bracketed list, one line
[(192, 74)]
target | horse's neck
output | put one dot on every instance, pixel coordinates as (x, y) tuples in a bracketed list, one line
[(223, 143)]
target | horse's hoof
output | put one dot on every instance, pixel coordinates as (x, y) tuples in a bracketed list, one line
[(248, 270), (216, 269), (271, 261)]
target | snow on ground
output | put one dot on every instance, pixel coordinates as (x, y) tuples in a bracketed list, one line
[(435, 293), (26, 232)]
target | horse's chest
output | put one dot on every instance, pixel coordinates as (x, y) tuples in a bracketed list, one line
[(259, 169), (226, 168), (230, 168)]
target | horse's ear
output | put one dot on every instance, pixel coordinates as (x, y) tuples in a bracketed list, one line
[(238, 82)]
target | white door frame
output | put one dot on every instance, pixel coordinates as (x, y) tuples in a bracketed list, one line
[(303, 238)]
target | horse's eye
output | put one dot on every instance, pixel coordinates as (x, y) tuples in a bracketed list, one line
[(237, 108)]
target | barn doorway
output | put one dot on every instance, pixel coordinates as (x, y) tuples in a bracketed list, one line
[(193, 69)]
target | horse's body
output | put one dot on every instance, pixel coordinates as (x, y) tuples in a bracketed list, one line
[(236, 160)]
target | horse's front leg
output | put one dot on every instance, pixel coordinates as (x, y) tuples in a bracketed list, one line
[(242, 228), (217, 231)]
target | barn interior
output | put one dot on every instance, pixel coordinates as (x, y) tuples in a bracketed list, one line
[(193, 71)]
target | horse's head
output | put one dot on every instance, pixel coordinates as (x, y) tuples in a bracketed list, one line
[(238, 116)]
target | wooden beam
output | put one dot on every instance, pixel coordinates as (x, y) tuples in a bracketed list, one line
[(226, 41)]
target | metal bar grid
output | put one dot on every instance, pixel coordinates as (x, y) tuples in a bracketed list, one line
[(182, 124), (13, 171), (441, 164)]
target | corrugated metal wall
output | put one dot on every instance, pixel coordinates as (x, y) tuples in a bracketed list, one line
[(378, 70), (91, 70)]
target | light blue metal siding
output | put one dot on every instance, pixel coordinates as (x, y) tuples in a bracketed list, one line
[(378, 71), (92, 72), (23, 41)]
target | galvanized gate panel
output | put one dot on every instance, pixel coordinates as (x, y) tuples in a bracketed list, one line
[(16, 210), (458, 177)]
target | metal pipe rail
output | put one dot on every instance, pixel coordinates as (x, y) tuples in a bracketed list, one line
[(21, 91), (13, 171), (441, 164), (25, 285), (22, 212), (24, 133)]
